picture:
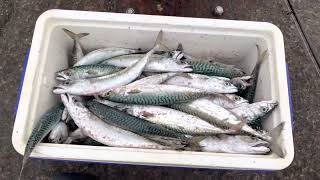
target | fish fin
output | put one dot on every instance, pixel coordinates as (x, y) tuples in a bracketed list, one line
[(174, 143), (261, 57), (147, 114), (193, 143), (91, 72), (179, 47), (275, 147), (186, 75), (236, 129), (24, 162), (134, 91), (65, 115), (158, 44), (73, 35)]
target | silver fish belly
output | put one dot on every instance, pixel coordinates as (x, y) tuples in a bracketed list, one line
[(59, 133), (102, 132), (211, 84)]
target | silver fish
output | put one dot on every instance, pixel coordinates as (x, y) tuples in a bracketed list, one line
[(170, 118), (77, 50), (74, 136), (210, 84), (99, 55), (102, 132), (158, 63), (154, 79), (227, 101), (241, 82), (95, 86), (45, 124), (251, 112), (234, 144), (85, 71), (59, 133), (153, 94), (217, 115)]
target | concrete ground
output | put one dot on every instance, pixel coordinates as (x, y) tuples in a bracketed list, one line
[(17, 22)]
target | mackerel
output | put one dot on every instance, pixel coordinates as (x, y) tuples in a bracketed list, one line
[(170, 118), (217, 115), (99, 55), (102, 132), (210, 84), (153, 94), (95, 86), (77, 50), (158, 63), (85, 71), (129, 122), (42, 128)]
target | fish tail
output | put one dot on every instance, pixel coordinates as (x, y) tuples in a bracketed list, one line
[(254, 74), (275, 146), (73, 35), (193, 143), (158, 44), (24, 162)]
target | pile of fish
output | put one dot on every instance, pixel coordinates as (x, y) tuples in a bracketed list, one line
[(159, 99)]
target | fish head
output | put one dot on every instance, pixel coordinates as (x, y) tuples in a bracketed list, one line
[(224, 86), (238, 100), (179, 65), (65, 75), (63, 87), (264, 107), (241, 82), (59, 134), (71, 101)]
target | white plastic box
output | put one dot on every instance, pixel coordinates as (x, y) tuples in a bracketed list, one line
[(231, 42)]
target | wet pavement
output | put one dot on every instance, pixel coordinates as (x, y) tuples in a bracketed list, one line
[(17, 22)]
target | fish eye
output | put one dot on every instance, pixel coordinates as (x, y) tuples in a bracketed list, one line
[(227, 84), (68, 73), (74, 99), (67, 83), (264, 109), (237, 98)]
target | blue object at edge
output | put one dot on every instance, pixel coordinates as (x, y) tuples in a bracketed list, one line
[(25, 63), (21, 85)]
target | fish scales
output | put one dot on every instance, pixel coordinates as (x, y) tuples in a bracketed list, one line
[(129, 122)]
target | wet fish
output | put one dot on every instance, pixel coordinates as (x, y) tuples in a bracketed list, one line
[(170, 118), (218, 116), (208, 68), (95, 86), (85, 71), (158, 63), (237, 144), (77, 50), (251, 112), (99, 55), (214, 69), (153, 79), (241, 82), (153, 94), (210, 84), (102, 132), (129, 122), (59, 133), (227, 101), (75, 135), (42, 128), (251, 90)]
